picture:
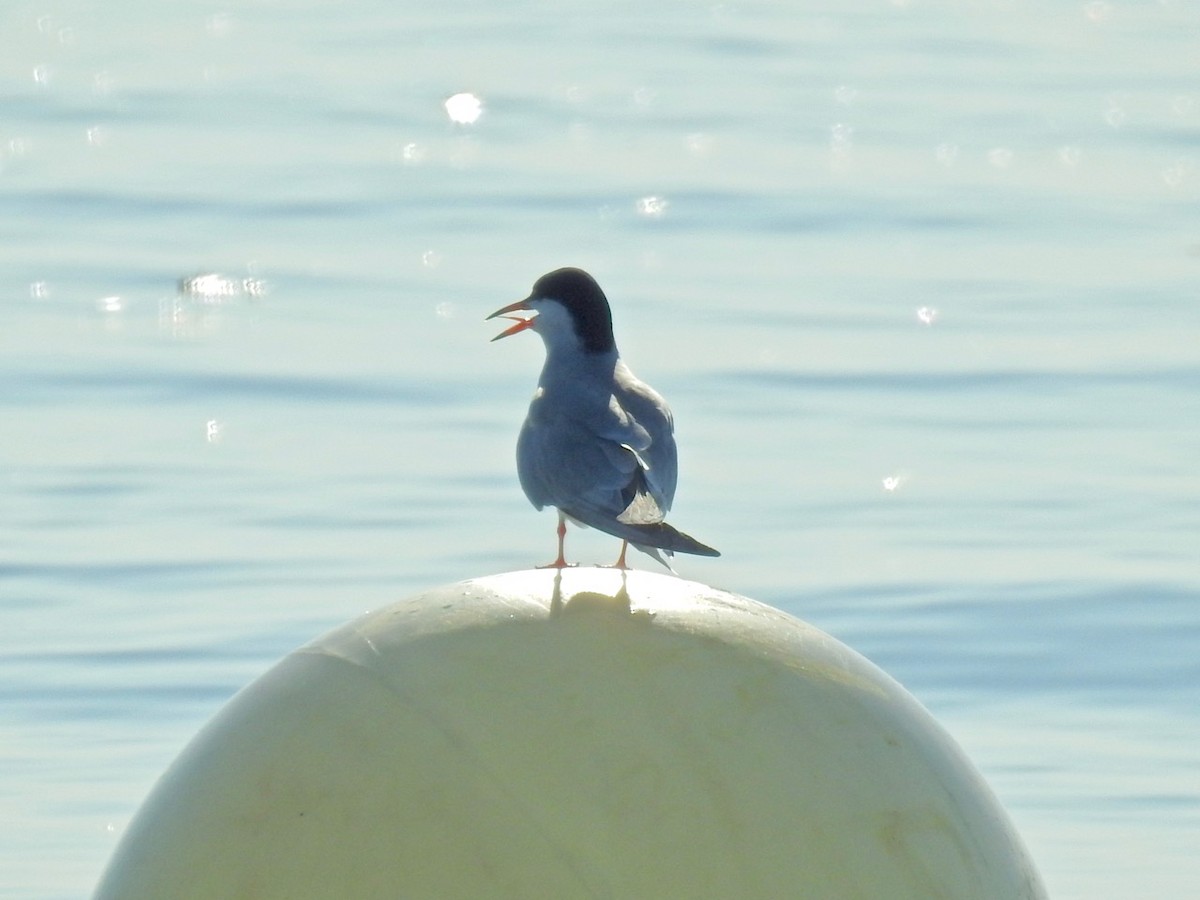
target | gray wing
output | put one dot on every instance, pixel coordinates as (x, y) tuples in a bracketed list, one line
[(613, 469), (601, 465), (647, 407)]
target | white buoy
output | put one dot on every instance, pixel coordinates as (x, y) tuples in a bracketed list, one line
[(574, 734)]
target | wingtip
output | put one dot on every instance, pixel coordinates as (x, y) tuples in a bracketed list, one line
[(673, 540)]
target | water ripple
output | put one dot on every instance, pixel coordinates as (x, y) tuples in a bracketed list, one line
[(1024, 380), (30, 388)]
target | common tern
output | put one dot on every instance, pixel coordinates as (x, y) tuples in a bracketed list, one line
[(598, 444)]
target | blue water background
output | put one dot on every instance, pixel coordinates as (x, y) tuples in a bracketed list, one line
[(918, 278)]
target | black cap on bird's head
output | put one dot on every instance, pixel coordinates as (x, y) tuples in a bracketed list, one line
[(579, 294)]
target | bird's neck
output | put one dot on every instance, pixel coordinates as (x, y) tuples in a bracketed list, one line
[(576, 373)]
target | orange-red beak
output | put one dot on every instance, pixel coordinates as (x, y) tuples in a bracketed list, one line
[(522, 322)]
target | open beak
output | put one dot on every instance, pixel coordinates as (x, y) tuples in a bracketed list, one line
[(522, 321)]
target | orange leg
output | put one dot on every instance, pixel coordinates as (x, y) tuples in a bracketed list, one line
[(620, 563), (561, 562)]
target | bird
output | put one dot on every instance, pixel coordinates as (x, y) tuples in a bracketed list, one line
[(598, 444)]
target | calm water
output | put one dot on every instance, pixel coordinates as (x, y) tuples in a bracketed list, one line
[(919, 278)]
